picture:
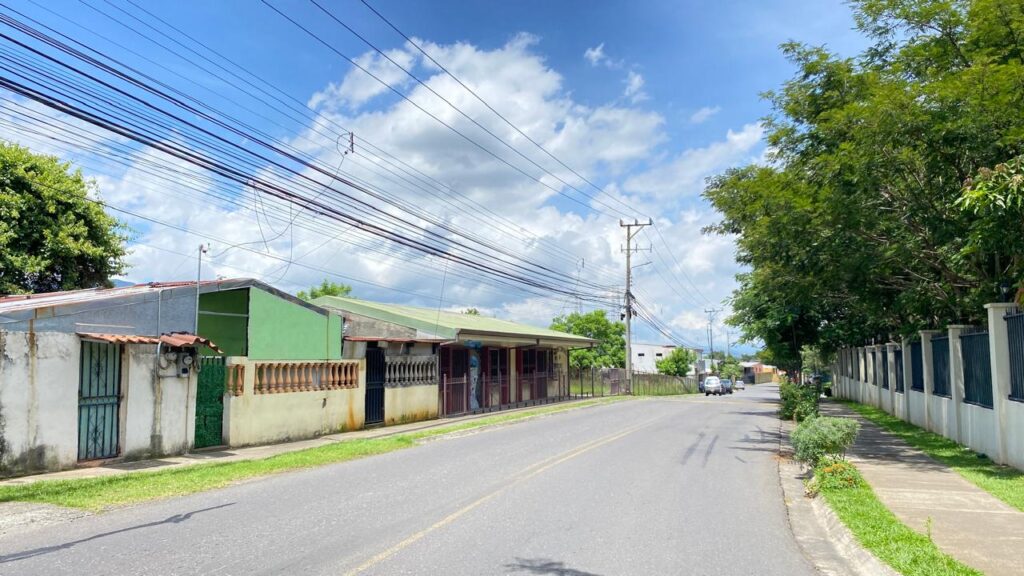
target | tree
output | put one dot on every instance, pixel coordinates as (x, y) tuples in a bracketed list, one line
[(471, 312), (325, 288), (52, 236), (859, 227), (730, 368), (611, 348), (677, 363)]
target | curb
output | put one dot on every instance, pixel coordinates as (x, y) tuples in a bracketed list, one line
[(826, 542)]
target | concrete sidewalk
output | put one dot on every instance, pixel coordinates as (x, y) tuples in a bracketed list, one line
[(258, 452), (967, 523)]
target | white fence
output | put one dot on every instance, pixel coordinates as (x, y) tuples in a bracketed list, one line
[(948, 382)]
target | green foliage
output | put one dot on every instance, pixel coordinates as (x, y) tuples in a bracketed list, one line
[(610, 352), (854, 230), (797, 402), (730, 368), (52, 237), (909, 552), (677, 363), (325, 288), (817, 438), (471, 312)]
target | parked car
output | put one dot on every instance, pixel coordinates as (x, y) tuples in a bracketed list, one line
[(739, 385), (712, 385), (727, 386)]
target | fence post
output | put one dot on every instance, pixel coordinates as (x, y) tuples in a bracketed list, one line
[(999, 353), (862, 388), (908, 377), (956, 376), (890, 352), (928, 374)]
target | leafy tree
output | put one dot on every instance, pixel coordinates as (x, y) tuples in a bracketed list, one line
[(611, 348), (677, 363), (855, 229), (325, 288), (471, 312), (730, 368), (52, 237)]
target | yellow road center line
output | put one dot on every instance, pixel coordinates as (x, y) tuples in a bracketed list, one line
[(524, 475)]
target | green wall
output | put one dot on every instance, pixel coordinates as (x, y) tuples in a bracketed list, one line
[(283, 330), (227, 332)]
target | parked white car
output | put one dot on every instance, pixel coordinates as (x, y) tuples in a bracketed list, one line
[(739, 385), (712, 385)]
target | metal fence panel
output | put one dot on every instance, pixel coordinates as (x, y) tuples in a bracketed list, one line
[(1015, 329), (917, 367), (885, 368), (899, 369), (977, 369), (940, 366)]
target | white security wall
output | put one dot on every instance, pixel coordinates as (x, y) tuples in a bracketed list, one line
[(159, 418), (997, 432), (38, 401)]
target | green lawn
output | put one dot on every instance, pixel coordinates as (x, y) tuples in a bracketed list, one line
[(878, 530), (1003, 482), (100, 493)]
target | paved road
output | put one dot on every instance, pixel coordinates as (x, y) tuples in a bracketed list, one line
[(672, 486)]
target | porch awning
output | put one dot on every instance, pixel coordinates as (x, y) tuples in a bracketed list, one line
[(174, 339)]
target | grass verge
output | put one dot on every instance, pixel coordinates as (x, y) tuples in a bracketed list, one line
[(878, 530), (1003, 482), (99, 493)]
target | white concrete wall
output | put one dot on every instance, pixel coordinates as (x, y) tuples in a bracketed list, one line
[(978, 429), (997, 432), (159, 418), (38, 401), (252, 419), (916, 399), (39, 378)]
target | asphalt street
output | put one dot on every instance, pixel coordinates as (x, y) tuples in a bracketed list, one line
[(645, 486)]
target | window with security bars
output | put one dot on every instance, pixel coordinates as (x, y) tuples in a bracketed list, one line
[(898, 359), (940, 366)]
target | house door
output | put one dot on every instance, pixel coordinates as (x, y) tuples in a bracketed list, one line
[(99, 400), (210, 401), (375, 368)]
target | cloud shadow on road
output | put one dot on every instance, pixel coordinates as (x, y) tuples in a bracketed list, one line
[(175, 519), (545, 566)]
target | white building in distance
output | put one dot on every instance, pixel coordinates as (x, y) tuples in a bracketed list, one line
[(646, 356)]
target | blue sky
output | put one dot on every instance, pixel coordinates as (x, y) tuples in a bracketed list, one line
[(646, 99)]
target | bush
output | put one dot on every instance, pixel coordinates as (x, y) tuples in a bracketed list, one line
[(797, 402), (831, 475), (818, 438)]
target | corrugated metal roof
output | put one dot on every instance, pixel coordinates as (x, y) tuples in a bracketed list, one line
[(177, 339), (443, 324), (383, 339)]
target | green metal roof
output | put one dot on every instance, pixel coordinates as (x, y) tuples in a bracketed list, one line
[(443, 324)]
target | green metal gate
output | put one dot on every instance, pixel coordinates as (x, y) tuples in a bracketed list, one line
[(210, 401), (99, 400)]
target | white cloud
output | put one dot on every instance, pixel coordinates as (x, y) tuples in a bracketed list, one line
[(595, 55), (704, 114), (635, 87), (359, 87)]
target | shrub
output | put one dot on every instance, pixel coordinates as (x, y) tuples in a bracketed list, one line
[(818, 438), (797, 402)]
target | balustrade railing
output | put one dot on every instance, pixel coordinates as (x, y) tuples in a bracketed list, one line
[(285, 377), (410, 370)]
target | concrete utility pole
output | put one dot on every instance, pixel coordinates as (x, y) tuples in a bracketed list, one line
[(711, 334), (630, 233), (203, 249)]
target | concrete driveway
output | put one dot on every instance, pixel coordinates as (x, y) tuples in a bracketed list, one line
[(649, 486)]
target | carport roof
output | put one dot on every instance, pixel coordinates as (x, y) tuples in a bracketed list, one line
[(448, 325)]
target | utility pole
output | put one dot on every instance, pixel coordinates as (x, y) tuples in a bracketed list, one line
[(630, 233), (203, 249), (711, 312)]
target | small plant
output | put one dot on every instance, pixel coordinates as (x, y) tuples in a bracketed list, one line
[(797, 402), (819, 438), (928, 528)]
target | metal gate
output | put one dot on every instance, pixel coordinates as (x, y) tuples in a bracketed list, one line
[(210, 401), (99, 400), (376, 367)]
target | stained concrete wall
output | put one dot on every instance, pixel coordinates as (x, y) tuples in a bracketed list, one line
[(916, 399), (252, 419), (39, 378), (410, 403), (978, 429)]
